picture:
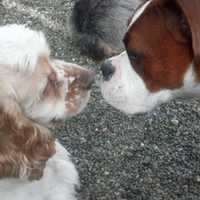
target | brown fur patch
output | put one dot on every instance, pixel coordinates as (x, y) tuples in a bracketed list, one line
[(191, 10), (163, 51), (24, 145)]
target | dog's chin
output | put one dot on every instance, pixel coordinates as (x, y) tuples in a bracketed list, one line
[(123, 105)]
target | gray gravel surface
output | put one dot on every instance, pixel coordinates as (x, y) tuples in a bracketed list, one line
[(155, 156)]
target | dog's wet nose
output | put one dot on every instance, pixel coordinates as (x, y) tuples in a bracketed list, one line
[(107, 70)]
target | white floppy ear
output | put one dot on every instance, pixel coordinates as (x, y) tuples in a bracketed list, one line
[(24, 146), (191, 10)]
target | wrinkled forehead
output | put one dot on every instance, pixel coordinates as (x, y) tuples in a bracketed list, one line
[(141, 18), (138, 13), (148, 21)]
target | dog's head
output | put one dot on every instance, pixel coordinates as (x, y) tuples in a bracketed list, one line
[(45, 88), (35, 90), (161, 60)]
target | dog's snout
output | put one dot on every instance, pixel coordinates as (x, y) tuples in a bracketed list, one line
[(107, 70)]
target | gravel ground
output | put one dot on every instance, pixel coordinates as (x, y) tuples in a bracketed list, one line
[(155, 156)]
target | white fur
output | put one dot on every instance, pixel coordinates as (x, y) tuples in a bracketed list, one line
[(58, 182), (20, 46), (46, 111), (127, 91), (191, 88)]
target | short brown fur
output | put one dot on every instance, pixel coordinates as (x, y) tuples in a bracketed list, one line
[(191, 10), (165, 50)]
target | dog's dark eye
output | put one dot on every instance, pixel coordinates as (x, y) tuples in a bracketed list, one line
[(133, 56)]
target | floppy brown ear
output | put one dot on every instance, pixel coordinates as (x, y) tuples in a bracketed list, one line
[(24, 145), (191, 10)]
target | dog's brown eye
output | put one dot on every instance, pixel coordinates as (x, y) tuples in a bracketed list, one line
[(133, 56)]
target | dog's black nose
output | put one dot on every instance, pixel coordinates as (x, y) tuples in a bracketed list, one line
[(107, 70)]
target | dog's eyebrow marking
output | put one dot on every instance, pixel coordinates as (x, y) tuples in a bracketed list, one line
[(139, 13)]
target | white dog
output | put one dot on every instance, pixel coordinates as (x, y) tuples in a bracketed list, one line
[(36, 90)]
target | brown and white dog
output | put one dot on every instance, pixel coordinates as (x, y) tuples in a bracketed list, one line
[(36, 90), (162, 57)]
